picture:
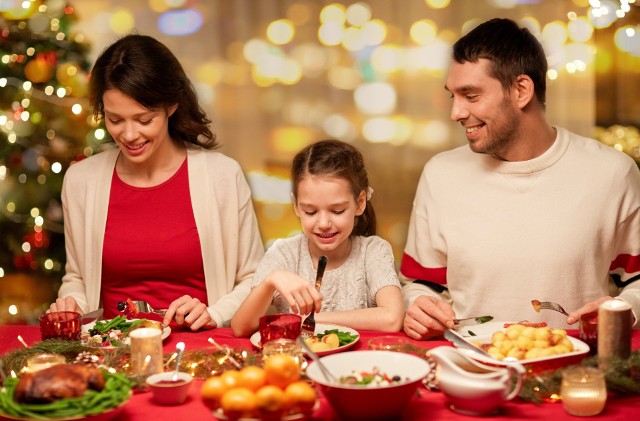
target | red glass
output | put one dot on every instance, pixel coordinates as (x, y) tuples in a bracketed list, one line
[(588, 331), (277, 326), (60, 325)]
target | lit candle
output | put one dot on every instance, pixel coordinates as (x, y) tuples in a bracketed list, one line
[(583, 390), (146, 351), (614, 331), (41, 361)]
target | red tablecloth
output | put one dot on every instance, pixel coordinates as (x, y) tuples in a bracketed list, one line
[(429, 406)]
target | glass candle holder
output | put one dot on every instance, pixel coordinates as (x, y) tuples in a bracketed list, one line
[(283, 346), (60, 325), (389, 343), (278, 326), (146, 351), (584, 391), (41, 361)]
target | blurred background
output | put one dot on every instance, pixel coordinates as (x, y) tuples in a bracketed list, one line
[(274, 76)]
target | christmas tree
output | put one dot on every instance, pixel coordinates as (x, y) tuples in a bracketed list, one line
[(45, 125)]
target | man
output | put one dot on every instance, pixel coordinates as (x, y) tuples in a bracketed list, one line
[(526, 210)]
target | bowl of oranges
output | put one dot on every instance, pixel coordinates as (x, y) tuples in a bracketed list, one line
[(273, 392)]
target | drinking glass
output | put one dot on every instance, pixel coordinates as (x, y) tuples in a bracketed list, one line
[(60, 325), (278, 326)]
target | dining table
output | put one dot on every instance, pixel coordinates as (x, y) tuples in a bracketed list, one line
[(425, 405)]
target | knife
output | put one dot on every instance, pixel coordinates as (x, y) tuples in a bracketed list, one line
[(470, 321), (462, 343), (91, 316)]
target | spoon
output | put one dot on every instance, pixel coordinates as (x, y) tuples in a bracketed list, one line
[(179, 349), (325, 371)]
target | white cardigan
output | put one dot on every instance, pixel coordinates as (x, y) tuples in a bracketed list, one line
[(225, 219)]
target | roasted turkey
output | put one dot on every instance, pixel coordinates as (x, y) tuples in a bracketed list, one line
[(58, 382)]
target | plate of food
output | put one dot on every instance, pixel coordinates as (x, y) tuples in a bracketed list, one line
[(534, 345), (328, 339), (65, 392), (115, 332)]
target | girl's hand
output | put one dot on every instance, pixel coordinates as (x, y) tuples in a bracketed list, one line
[(189, 312), (65, 304), (299, 293)]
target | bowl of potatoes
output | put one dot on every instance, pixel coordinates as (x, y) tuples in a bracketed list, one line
[(537, 348)]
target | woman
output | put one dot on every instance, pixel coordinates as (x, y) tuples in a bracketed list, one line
[(163, 217)]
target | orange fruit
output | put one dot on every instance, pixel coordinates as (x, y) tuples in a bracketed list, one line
[(212, 390), (251, 377), (300, 395), (281, 370), (238, 401), (269, 398), (230, 378)]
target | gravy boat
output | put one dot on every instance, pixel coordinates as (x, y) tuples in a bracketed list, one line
[(474, 388)]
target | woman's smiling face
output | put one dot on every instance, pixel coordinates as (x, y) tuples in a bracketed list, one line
[(138, 131), (327, 211)]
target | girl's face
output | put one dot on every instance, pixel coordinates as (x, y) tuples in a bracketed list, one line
[(139, 131), (327, 210)]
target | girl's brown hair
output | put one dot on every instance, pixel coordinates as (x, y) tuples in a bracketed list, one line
[(333, 158)]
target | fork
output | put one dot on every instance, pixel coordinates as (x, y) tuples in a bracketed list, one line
[(141, 306), (548, 305), (309, 324)]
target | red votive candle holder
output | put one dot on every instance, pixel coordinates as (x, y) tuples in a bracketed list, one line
[(60, 325), (588, 331), (278, 326)]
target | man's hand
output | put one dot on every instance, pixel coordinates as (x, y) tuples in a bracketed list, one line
[(428, 317), (190, 312), (574, 316), (65, 304)]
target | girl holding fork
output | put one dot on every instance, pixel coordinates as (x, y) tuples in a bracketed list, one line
[(360, 288)]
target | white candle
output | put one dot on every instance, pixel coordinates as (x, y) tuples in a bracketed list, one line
[(584, 391), (146, 351), (614, 331)]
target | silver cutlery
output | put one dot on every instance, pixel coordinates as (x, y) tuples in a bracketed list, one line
[(91, 316), (469, 321), (141, 306), (548, 305), (309, 324)]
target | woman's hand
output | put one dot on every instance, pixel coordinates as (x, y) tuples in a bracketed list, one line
[(189, 312), (65, 304)]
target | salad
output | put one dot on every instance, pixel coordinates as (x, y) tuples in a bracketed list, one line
[(374, 378), (115, 332)]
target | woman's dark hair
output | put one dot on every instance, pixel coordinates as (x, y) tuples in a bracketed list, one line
[(333, 158), (512, 51), (144, 69)]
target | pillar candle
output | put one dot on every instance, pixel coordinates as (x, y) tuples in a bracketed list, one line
[(146, 351), (614, 331)]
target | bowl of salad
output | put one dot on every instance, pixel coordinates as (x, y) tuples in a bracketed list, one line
[(369, 385)]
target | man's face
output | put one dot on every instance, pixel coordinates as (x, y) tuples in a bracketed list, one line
[(486, 111)]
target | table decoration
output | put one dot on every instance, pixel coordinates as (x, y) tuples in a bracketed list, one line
[(60, 325), (615, 321), (146, 351), (622, 377), (276, 326), (44, 360), (583, 391), (588, 331)]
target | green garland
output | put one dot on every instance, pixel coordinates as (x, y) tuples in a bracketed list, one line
[(199, 363), (622, 377)]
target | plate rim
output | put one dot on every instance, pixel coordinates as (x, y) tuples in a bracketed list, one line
[(255, 338)]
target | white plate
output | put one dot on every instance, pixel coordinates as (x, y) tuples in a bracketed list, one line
[(484, 333), (320, 328), (484, 329), (166, 331)]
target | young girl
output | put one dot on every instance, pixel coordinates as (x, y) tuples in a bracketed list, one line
[(360, 287)]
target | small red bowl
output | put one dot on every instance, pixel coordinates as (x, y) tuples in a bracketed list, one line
[(167, 391)]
